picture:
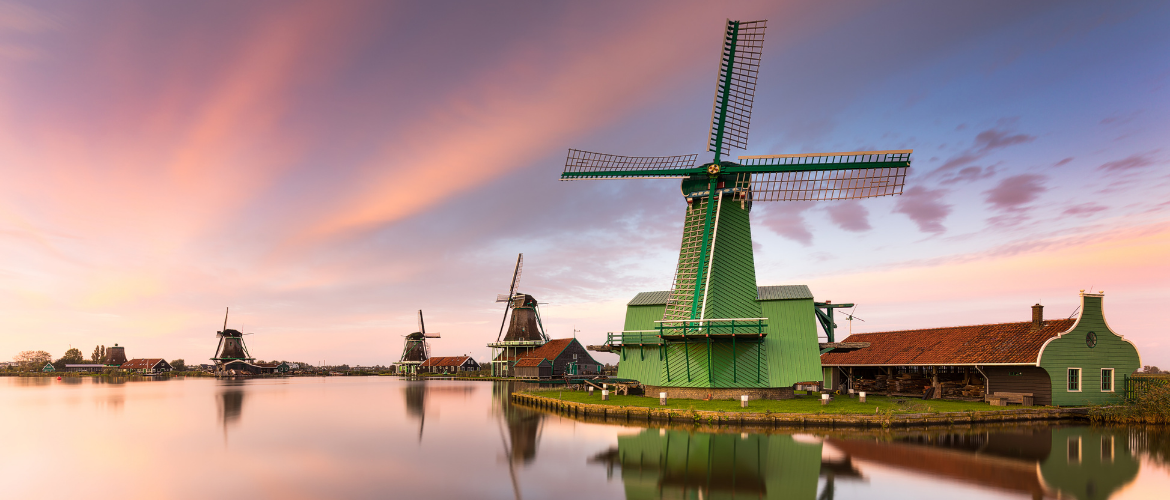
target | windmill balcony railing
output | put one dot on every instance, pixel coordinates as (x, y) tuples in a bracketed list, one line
[(690, 329)]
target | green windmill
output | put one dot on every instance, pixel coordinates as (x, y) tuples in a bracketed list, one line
[(715, 329)]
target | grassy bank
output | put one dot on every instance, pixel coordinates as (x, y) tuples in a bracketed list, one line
[(802, 404)]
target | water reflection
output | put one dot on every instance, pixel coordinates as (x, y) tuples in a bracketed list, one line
[(669, 463), (230, 402), (417, 392), (1085, 463), (523, 425)]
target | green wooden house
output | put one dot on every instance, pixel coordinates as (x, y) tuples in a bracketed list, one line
[(766, 359), (1063, 362)]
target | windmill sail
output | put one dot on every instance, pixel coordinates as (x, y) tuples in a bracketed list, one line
[(735, 88), (825, 176), (511, 293), (585, 165)]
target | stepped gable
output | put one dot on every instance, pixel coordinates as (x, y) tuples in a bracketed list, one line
[(1006, 343)]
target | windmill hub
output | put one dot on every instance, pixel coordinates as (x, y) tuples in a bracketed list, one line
[(713, 169)]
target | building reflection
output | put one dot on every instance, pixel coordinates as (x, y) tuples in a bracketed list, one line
[(1040, 462), (664, 463), (1083, 463)]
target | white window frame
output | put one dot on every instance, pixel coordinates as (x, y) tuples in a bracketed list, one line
[(1112, 379), (1080, 379)]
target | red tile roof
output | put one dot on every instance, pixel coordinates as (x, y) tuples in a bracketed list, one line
[(531, 362), (141, 363), (445, 361), (549, 350), (1006, 343)]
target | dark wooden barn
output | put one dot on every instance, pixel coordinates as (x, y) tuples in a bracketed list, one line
[(565, 357)]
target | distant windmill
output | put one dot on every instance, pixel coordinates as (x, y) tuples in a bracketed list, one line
[(415, 351), (232, 354), (714, 298), (524, 332)]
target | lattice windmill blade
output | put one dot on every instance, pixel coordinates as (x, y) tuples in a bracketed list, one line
[(511, 292), (735, 88), (823, 176), (586, 165)]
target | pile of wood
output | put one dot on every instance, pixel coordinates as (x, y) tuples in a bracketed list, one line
[(912, 383), (973, 391)]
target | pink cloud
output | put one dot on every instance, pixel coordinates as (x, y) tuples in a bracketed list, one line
[(1013, 192), (925, 207), (850, 215)]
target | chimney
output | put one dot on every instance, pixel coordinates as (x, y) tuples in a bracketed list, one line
[(1037, 317)]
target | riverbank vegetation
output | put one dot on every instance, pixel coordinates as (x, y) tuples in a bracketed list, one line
[(809, 404), (1150, 405)]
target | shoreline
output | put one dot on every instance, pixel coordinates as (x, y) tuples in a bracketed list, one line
[(632, 414)]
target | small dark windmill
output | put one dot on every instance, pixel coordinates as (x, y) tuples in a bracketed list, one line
[(713, 301), (415, 351), (232, 353), (524, 332)]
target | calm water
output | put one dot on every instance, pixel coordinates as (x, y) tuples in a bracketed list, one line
[(380, 437)]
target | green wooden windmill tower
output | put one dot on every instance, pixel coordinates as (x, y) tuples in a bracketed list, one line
[(715, 332)]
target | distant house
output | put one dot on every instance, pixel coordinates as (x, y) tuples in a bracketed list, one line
[(566, 356), (147, 366), (48, 367), (89, 367), (537, 368), (448, 364), (272, 367)]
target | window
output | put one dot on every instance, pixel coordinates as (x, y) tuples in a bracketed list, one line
[(1106, 380), (1074, 449), (1074, 380)]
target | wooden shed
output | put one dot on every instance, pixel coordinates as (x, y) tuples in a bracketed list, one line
[(539, 368), (1062, 362), (567, 357), (448, 364)]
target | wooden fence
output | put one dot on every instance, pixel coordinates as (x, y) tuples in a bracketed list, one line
[(1136, 386)]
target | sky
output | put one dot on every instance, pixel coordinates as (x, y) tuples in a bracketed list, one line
[(327, 169)]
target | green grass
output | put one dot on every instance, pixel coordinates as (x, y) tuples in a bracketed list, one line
[(842, 405)]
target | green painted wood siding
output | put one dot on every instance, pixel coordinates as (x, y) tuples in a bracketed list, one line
[(732, 292), (641, 363), (743, 369), (643, 317), (792, 350), (1071, 350)]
